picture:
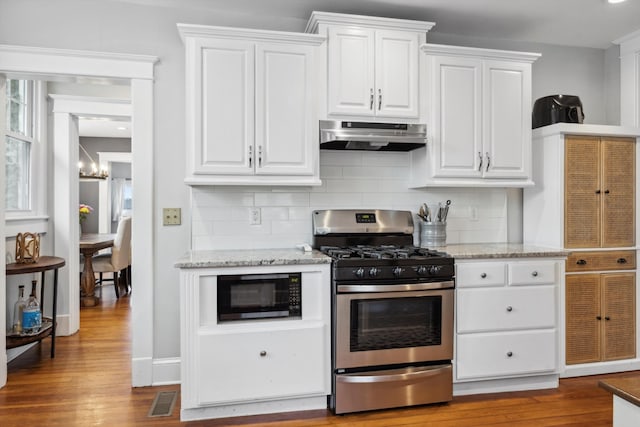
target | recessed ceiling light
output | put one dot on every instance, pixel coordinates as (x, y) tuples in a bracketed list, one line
[(615, 1), (121, 128)]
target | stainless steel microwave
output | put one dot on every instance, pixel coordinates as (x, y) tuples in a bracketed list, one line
[(259, 296)]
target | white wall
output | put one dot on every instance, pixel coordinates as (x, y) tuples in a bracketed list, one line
[(134, 28)]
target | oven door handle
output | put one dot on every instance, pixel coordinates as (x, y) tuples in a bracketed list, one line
[(407, 375), (449, 284)]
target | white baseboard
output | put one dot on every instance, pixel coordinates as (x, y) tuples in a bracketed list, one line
[(141, 371), (62, 326), (243, 409), (537, 382), (166, 371), (600, 368), (12, 353)]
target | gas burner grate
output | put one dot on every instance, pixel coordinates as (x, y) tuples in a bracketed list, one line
[(380, 252)]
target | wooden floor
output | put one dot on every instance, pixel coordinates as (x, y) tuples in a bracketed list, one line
[(88, 384)]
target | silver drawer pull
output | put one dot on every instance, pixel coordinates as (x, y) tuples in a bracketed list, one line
[(534, 274), (509, 353), (509, 308), (483, 275), (263, 353)]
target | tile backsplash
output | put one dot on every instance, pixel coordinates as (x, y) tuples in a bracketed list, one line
[(350, 179)]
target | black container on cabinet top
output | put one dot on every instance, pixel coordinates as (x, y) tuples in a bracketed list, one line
[(557, 109)]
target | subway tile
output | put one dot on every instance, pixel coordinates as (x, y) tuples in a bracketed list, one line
[(336, 200), (282, 199), (339, 158)]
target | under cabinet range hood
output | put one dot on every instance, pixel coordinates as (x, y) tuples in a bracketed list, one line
[(347, 135)]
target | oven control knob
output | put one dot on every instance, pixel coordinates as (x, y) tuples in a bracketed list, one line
[(397, 272), (435, 270), (374, 271), (359, 273), (422, 270)]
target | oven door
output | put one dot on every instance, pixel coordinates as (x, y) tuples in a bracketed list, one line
[(386, 328)]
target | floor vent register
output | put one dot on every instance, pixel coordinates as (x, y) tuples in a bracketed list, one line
[(163, 404)]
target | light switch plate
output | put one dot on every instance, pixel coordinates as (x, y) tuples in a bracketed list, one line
[(171, 216)]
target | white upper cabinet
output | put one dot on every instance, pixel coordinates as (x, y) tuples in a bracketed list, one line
[(373, 65), (251, 106), (478, 118)]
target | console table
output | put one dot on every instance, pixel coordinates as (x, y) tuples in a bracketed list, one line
[(44, 264)]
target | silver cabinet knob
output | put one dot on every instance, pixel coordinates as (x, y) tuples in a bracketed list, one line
[(534, 274), (263, 353), (483, 275), (509, 308)]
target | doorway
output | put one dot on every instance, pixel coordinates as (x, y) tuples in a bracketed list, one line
[(138, 70)]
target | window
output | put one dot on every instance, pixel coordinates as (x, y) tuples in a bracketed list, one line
[(21, 115)]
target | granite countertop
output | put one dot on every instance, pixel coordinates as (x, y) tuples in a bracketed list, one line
[(501, 250), (625, 388), (250, 257)]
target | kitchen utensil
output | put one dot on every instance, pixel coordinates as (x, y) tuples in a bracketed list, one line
[(446, 210)]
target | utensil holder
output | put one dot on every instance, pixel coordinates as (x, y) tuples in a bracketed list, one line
[(433, 234)]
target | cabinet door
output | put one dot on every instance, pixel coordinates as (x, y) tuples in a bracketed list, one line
[(583, 329), (486, 355), (507, 119), (618, 192), (285, 112), (396, 74), (457, 107), (618, 316), (222, 94), (249, 365), (582, 192), (351, 71)]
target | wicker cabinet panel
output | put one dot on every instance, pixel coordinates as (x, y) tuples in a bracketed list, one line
[(618, 192), (599, 192), (618, 295), (600, 311), (582, 325), (582, 202), (601, 260)]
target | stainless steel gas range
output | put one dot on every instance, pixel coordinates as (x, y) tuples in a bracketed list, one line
[(392, 308)]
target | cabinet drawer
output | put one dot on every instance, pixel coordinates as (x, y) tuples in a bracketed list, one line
[(478, 274), (601, 260), (505, 354), (532, 273), (258, 365), (502, 309)]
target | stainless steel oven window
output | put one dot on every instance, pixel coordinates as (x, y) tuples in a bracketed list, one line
[(378, 324), (346, 358)]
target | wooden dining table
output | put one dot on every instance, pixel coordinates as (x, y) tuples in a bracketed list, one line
[(90, 243)]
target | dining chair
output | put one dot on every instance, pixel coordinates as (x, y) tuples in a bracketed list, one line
[(119, 259)]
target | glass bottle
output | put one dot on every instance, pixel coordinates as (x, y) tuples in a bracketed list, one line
[(18, 308), (31, 315)]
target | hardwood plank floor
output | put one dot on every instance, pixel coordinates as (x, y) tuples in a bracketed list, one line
[(88, 384)]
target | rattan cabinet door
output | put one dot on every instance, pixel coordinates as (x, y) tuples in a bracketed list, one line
[(582, 192), (618, 192), (583, 328), (618, 316)]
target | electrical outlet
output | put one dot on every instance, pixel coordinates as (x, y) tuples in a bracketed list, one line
[(255, 216), (171, 216)]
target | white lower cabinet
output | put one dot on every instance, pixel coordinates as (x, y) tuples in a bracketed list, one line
[(272, 363), (488, 355), (506, 323), (253, 366)]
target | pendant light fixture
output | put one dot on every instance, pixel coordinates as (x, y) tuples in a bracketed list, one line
[(92, 173)]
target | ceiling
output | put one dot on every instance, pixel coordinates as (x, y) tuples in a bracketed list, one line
[(583, 23), (578, 23), (99, 127)]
